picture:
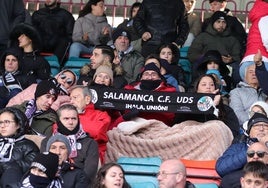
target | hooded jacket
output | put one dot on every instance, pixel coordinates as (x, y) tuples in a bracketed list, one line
[(213, 40)]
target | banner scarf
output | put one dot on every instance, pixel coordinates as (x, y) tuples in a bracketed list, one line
[(152, 101)]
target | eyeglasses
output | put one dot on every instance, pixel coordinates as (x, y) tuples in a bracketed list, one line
[(165, 174), (260, 126), (260, 154), (69, 81), (6, 122)]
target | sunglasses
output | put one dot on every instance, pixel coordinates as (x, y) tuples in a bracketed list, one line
[(260, 154), (69, 81)]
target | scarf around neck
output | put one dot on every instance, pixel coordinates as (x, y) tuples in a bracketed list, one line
[(6, 148)]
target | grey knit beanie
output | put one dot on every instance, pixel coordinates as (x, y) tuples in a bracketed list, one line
[(59, 138)]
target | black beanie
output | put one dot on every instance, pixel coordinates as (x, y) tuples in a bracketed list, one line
[(219, 15), (256, 118), (165, 64), (151, 66), (120, 32), (47, 87), (48, 163)]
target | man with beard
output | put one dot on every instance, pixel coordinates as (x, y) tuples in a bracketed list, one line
[(55, 26)]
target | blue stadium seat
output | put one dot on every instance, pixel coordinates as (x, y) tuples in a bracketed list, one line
[(206, 185), (54, 64), (141, 172), (75, 64)]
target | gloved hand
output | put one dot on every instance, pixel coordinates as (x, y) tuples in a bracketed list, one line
[(131, 114)]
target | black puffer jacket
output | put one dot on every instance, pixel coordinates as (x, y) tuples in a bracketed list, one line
[(164, 19), (53, 24), (22, 155)]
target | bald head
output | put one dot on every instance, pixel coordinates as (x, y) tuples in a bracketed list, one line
[(172, 174), (260, 152)]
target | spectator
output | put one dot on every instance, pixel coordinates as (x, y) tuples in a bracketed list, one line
[(256, 152), (161, 21), (165, 69), (222, 112), (171, 53), (94, 122), (12, 13), (102, 54), (111, 174), (55, 26), (27, 38), (234, 158), (261, 71), (84, 150), (72, 176), (172, 174), (43, 172), (131, 60), (90, 29), (38, 110), (255, 174), (17, 152), (246, 93), (151, 80), (212, 61), (217, 37), (257, 107), (12, 81), (128, 25), (194, 21), (66, 79), (236, 27)]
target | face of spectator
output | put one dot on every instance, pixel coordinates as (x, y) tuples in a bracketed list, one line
[(206, 85), (212, 65), (98, 9), (38, 172), (257, 152), (134, 11), (166, 54), (24, 41), (69, 119), (60, 149), (51, 3), (103, 78), (78, 99), (116, 60), (114, 178), (8, 126), (157, 63), (66, 79), (220, 25), (216, 6), (250, 76), (189, 5), (150, 75), (97, 58), (44, 102), (250, 181), (121, 43), (259, 130), (11, 63)]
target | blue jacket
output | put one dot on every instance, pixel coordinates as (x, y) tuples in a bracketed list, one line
[(262, 75), (234, 158)]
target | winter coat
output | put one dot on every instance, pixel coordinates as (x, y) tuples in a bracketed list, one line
[(93, 25), (132, 64), (233, 159), (53, 24), (212, 40), (23, 153), (257, 34), (12, 13), (96, 123), (164, 19), (242, 97), (262, 75), (35, 66), (42, 123)]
